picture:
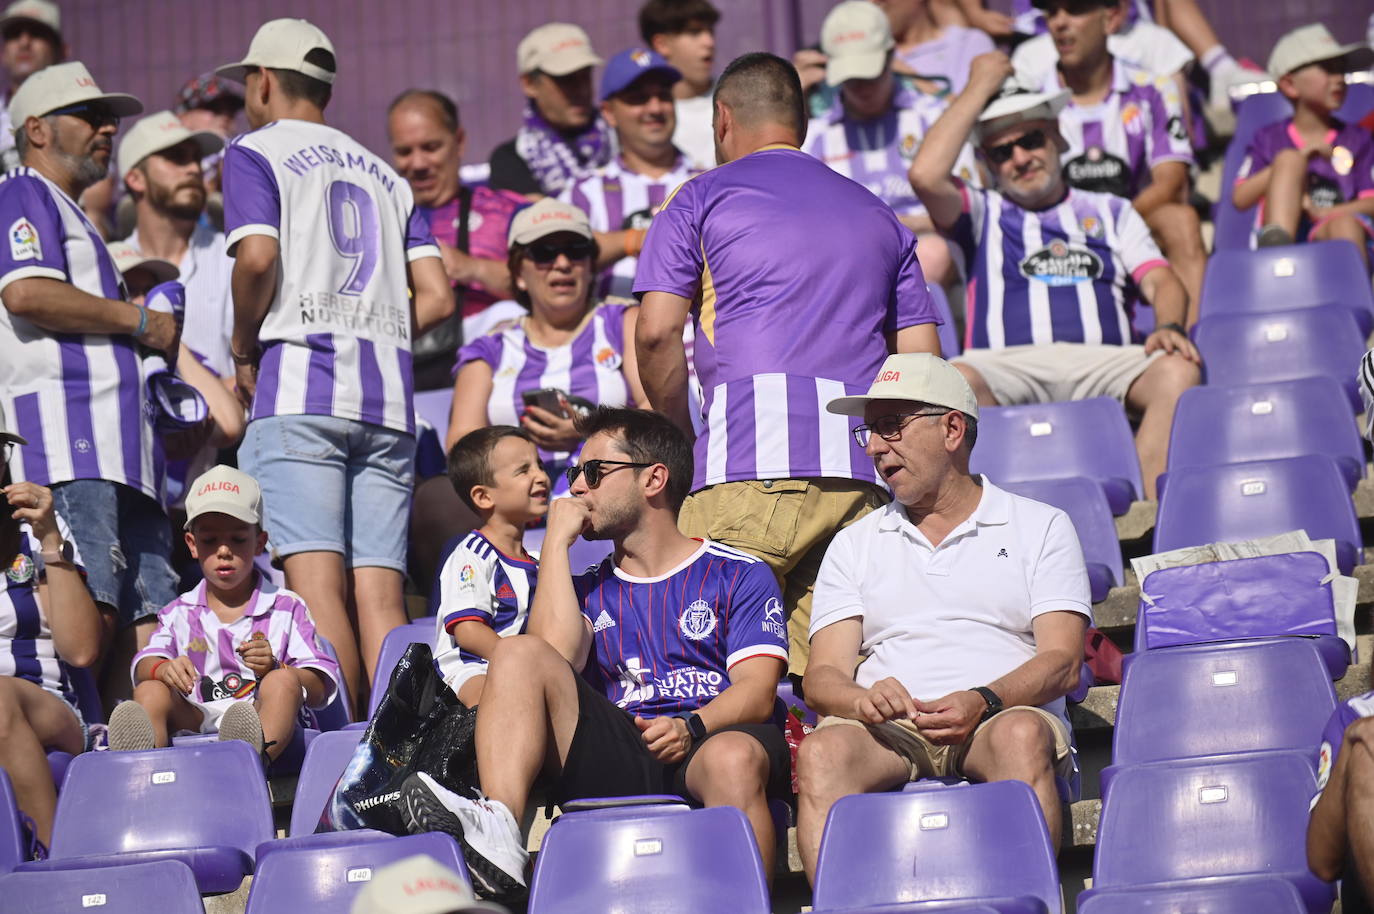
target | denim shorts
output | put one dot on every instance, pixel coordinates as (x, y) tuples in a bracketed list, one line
[(333, 485), (125, 542)]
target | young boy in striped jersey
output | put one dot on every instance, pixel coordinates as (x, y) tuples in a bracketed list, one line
[(487, 582), (235, 655)]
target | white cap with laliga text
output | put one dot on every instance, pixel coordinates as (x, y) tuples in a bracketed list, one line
[(65, 85), (916, 376), (283, 44), (856, 39), (157, 132), (557, 48), (224, 490), (547, 217), (419, 885)]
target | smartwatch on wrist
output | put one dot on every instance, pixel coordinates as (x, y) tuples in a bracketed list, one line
[(65, 554), (992, 698), (695, 725)]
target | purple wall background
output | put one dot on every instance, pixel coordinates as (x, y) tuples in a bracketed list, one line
[(467, 49)]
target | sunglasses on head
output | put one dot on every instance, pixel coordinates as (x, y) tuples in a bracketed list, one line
[(97, 116), (593, 471), (1029, 142), (544, 252)]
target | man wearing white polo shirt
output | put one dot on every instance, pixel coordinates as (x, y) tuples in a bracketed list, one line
[(947, 627)]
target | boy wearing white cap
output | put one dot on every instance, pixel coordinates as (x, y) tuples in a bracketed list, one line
[(955, 589), (328, 245), (1054, 271), (1313, 176), (235, 655)]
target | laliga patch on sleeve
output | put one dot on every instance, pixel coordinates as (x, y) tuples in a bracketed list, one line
[(24, 244)]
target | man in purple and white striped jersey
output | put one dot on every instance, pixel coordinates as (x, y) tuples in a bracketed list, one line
[(1053, 271), (328, 244), (70, 377), (1125, 132), (802, 281)]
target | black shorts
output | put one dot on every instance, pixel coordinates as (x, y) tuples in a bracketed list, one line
[(608, 757)]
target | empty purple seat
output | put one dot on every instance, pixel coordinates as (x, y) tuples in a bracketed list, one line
[(949, 333), (1086, 504), (1083, 438), (1221, 698), (329, 877), (13, 847), (324, 761), (206, 806), (963, 842), (1259, 498), (393, 646), (166, 886), (1237, 815), (1289, 277), (980, 906), (1252, 895), (1282, 345), (1266, 421), (702, 860)]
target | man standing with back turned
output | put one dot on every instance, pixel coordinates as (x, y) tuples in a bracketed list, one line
[(326, 242), (805, 281)]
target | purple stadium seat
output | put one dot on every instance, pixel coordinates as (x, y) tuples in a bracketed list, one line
[(1217, 425), (433, 407), (950, 345), (325, 760), (981, 906), (788, 696), (289, 762), (963, 842), (1252, 895), (1216, 699), (329, 877), (13, 847), (393, 646), (1084, 438), (1242, 501), (702, 860), (206, 806), (167, 885), (1086, 504), (1282, 345), (1287, 278), (1270, 596), (652, 804), (1232, 226), (1222, 816)]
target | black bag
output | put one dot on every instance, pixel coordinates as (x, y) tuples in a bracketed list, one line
[(420, 725)]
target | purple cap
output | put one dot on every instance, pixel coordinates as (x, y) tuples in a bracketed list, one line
[(627, 66)]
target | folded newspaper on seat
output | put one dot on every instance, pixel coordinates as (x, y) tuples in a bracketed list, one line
[(1344, 589)]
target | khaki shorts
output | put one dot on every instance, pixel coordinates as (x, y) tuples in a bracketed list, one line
[(928, 760), (788, 523), (1056, 372)]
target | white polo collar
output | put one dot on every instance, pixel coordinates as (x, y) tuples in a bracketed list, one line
[(994, 509)]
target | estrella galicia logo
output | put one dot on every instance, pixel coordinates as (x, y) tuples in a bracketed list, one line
[(1062, 264), (697, 621)]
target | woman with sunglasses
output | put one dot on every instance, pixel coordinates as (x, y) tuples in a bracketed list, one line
[(569, 342)]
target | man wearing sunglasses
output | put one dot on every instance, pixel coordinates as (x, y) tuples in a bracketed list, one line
[(621, 198), (948, 626), (30, 39), (1054, 272), (653, 672)]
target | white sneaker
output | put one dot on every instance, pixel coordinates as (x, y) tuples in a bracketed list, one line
[(131, 730), (486, 829)]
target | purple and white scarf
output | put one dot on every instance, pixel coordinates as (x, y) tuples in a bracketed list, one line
[(555, 160)]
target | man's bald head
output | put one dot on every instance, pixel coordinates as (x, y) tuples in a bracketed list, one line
[(763, 91), (436, 104)]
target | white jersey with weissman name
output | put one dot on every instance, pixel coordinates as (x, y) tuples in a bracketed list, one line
[(336, 341)]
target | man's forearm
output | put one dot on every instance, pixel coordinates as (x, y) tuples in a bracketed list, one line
[(663, 359), (61, 307), (1166, 296), (740, 703), (1361, 207), (830, 691), (555, 614), (1327, 836), (1043, 678), (1164, 187)]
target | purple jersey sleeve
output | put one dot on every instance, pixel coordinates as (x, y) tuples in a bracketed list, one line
[(1332, 737), (1258, 154), (483, 349), (672, 258), (304, 650), (757, 625), (1138, 250), (419, 237), (252, 200), (910, 303), (34, 229)]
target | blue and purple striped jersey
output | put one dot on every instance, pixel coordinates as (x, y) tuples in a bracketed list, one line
[(336, 341), (26, 646), (480, 583), (1346, 713), (797, 275), (78, 398), (1064, 274), (665, 645)]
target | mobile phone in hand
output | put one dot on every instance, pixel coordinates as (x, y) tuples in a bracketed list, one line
[(547, 398)]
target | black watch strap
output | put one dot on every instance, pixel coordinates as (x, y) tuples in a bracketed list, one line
[(695, 725), (992, 698), (1176, 327)]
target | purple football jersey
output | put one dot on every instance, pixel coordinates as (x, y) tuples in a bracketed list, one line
[(1347, 175)]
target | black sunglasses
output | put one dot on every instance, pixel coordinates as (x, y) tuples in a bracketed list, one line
[(593, 470), (542, 252), (1030, 141), (97, 116), (889, 428)]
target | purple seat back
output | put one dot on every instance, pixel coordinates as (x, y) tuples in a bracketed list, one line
[(1233, 226), (1084, 438), (950, 345), (324, 761), (166, 886), (981, 906), (1222, 698), (1266, 421), (433, 407), (329, 877), (1250, 895), (1086, 504), (1233, 815), (1286, 278), (206, 805), (393, 646), (12, 844), (703, 860), (1242, 501), (1282, 345), (963, 842)]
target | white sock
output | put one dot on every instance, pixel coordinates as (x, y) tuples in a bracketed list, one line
[(1218, 60)]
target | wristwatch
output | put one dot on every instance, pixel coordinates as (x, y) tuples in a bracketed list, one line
[(64, 554), (695, 725), (992, 698)]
